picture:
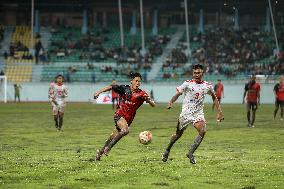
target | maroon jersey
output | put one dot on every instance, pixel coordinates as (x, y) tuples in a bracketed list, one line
[(129, 101), (114, 94), (252, 89), (279, 90)]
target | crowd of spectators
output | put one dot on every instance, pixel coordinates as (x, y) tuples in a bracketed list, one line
[(91, 47), (39, 54), (228, 52)]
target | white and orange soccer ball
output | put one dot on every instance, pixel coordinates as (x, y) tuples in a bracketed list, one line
[(145, 137)]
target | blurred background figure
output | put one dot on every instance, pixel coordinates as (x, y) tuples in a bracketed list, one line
[(17, 88)]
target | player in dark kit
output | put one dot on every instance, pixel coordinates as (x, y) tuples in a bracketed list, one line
[(252, 94), (219, 92), (131, 98), (279, 97)]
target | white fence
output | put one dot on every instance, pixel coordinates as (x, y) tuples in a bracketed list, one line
[(162, 93)]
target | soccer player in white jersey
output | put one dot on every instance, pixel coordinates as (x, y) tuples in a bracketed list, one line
[(56, 94), (192, 110)]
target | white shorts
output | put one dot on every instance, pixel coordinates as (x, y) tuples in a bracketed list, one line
[(186, 118), (58, 108)]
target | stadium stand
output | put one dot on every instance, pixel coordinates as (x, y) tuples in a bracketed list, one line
[(226, 54), (19, 59), (18, 73), (99, 47)]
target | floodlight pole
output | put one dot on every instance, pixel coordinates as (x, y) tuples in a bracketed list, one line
[(142, 28), (273, 25), (186, 26), (32, 24), (121, 24)]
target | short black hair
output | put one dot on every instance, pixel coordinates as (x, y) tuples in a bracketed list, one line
[(197, 66), (59, 75), (132, 75), (219, 80)]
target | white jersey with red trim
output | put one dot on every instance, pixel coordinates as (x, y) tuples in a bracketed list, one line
[(57, 93), (194, 95)]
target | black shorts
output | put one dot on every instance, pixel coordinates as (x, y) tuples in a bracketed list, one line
[(279, 103), (252, 106), (116, 118), (114, 100), (219, 100)]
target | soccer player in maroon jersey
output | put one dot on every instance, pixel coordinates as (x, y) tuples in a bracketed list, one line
[(114, 96), (219, 92), (279, 96), (131, 98), (252, 94)]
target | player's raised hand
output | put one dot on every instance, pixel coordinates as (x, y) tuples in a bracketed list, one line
[(170, 105), (146, 96), (96, 95), (220, 116)]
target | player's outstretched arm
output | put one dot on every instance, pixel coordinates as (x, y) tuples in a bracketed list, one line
[(217, 105), (174, 98), (108, 88), (149, 100)]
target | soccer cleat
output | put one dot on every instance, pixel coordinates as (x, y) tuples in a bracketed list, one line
[(191, 158), (99, 155), (165, 156)]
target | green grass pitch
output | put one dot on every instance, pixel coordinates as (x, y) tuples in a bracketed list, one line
[(35, 155)]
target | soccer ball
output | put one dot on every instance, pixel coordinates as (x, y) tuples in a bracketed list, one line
[(145, 137)]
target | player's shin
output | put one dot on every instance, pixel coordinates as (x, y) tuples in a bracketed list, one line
[(275, 112), (60, 122), (253, 118), (248, 117), (56, 121), (195, 144), (107, 142), (173, 139), (119, 135)]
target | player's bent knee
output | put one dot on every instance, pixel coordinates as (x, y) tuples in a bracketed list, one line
[(124, 132), (202, 131)]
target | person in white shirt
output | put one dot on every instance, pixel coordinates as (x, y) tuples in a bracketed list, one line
[(192, 110), (57, 94)]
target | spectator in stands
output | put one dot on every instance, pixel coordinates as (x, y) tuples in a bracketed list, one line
[(90, 66), (38, 50), (2, 73), (93, 77), (1, 34), (5, 55)]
